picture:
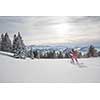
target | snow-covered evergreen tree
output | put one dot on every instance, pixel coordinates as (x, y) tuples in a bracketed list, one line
[(60, 54), (19, 47), (31, 54), (5, 43), (38, 54), (92, 51), (0, 43), (19, 42), (14, 43)]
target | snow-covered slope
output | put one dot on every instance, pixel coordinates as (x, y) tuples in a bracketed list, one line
[(48, 70)]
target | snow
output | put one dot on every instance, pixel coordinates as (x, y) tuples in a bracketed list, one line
[(47, 70)]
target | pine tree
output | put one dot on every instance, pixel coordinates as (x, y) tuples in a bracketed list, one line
[(38, 54), (60, 55), (99, 53), (19, 47), (2, 42), (31, 54), (19, 42), (92, 51), (14, 43), (54, 54), (6, 43)]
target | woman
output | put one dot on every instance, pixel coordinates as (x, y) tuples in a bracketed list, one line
[(74, 55)]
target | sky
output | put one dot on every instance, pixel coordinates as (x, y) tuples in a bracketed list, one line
[(43, 30)]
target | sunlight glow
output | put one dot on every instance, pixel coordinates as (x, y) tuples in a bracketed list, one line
[(62, 29)]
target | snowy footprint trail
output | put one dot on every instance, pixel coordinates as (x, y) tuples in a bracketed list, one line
[(48, 70)]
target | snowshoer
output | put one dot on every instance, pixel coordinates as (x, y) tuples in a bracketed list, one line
[(74, 55)]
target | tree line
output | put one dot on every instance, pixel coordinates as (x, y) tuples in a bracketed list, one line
[(91, 52)]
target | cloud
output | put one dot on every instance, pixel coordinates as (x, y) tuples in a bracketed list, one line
[(52, 28)]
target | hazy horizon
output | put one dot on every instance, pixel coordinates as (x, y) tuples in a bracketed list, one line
[(45, 30)]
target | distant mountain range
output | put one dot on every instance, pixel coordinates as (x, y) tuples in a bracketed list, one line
[(61, 47)]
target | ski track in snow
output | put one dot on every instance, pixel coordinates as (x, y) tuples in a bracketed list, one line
[(48, 70)]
